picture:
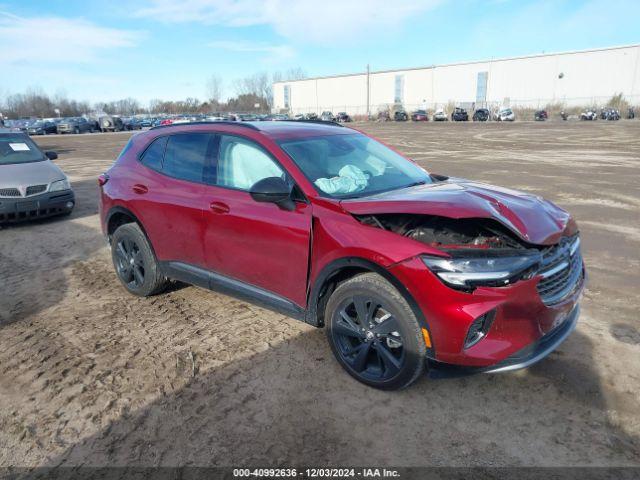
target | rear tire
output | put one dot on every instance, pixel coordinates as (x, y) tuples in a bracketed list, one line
[(374, 334), (135, 264)]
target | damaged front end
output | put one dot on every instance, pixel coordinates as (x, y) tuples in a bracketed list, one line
[(480, 251)]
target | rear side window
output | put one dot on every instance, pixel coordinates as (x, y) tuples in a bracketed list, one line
[(186, 156), (152, 156)]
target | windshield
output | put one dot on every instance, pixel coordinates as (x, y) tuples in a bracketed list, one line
[(352, 166), (18, 148)]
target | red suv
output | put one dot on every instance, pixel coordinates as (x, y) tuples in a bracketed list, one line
[(405, 269)]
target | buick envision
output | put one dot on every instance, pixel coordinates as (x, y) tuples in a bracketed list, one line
[(404, 269)]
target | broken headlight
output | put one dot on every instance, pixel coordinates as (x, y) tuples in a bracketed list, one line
[(472, 271)]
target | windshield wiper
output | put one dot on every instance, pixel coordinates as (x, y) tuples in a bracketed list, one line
[(415, 184)]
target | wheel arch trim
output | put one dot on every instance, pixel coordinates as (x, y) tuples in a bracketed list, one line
[(125, 211), (323, 280)]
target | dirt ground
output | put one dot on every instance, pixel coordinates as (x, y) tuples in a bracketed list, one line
[(90, 375)]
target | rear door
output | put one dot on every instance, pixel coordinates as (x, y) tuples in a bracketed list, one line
[(169, 193), (256, 243)]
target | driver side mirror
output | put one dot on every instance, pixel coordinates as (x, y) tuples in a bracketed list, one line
[(273, 190), (51, 155)]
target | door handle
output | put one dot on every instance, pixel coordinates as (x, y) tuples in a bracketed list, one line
[(140, 189), (219, 207)]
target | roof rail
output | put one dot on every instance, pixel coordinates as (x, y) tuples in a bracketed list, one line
[(323, 122), (217, 122)]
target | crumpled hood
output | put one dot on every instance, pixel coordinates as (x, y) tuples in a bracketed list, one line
[(532, 218), (32, 173)]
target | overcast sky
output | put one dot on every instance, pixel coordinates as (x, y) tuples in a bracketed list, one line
[(168, 48)]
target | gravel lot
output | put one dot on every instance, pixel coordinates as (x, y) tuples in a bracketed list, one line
[(90, 375)]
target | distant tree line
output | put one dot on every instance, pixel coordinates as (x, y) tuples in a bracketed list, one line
[(248, 92)]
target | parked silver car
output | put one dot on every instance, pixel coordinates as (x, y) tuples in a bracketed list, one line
[(31, 185)]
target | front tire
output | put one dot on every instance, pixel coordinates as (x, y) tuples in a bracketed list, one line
[(374, 334), (135, 263)]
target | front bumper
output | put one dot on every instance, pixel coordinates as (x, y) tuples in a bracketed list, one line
[(38, 206), (522, 359), (521, 321)]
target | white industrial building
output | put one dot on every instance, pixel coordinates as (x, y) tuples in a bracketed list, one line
[(588, 77)]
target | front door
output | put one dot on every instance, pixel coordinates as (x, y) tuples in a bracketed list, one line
[(256, 243)]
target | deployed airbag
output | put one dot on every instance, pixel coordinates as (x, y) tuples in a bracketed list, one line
[(350, 179)]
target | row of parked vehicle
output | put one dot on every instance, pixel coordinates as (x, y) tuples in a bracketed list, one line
[(459, 114), (103, 123), (501, 115), (607, 113), (250, 117)]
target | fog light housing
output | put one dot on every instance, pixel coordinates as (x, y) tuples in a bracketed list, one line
[(479, 328), (69, 205)]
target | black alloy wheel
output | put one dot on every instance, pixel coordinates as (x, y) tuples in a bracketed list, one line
[(135, 263), (129, 264), (374, 333), (368, 338)]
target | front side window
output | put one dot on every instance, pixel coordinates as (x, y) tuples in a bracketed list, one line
[(186, 156), (352, 165), (241, 163), (18, 148)]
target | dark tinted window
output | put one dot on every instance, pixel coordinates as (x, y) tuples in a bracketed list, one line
[(152, 156), (186, 156)]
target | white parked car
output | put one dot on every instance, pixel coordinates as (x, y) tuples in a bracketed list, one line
[(505, 115), (440, 115)]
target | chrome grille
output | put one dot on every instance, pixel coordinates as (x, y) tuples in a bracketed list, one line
[(9, 192), (35, 189), (29, 191), (561, 270)]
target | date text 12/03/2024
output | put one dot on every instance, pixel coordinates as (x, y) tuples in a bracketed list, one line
[(316, 473)]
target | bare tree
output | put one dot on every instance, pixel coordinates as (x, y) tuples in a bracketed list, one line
[(258, 84), (214, 89), (296, 73)]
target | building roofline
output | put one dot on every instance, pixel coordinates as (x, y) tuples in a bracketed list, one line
[(470, 62)]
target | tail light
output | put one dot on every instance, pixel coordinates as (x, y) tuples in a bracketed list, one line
[(102, 179)]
